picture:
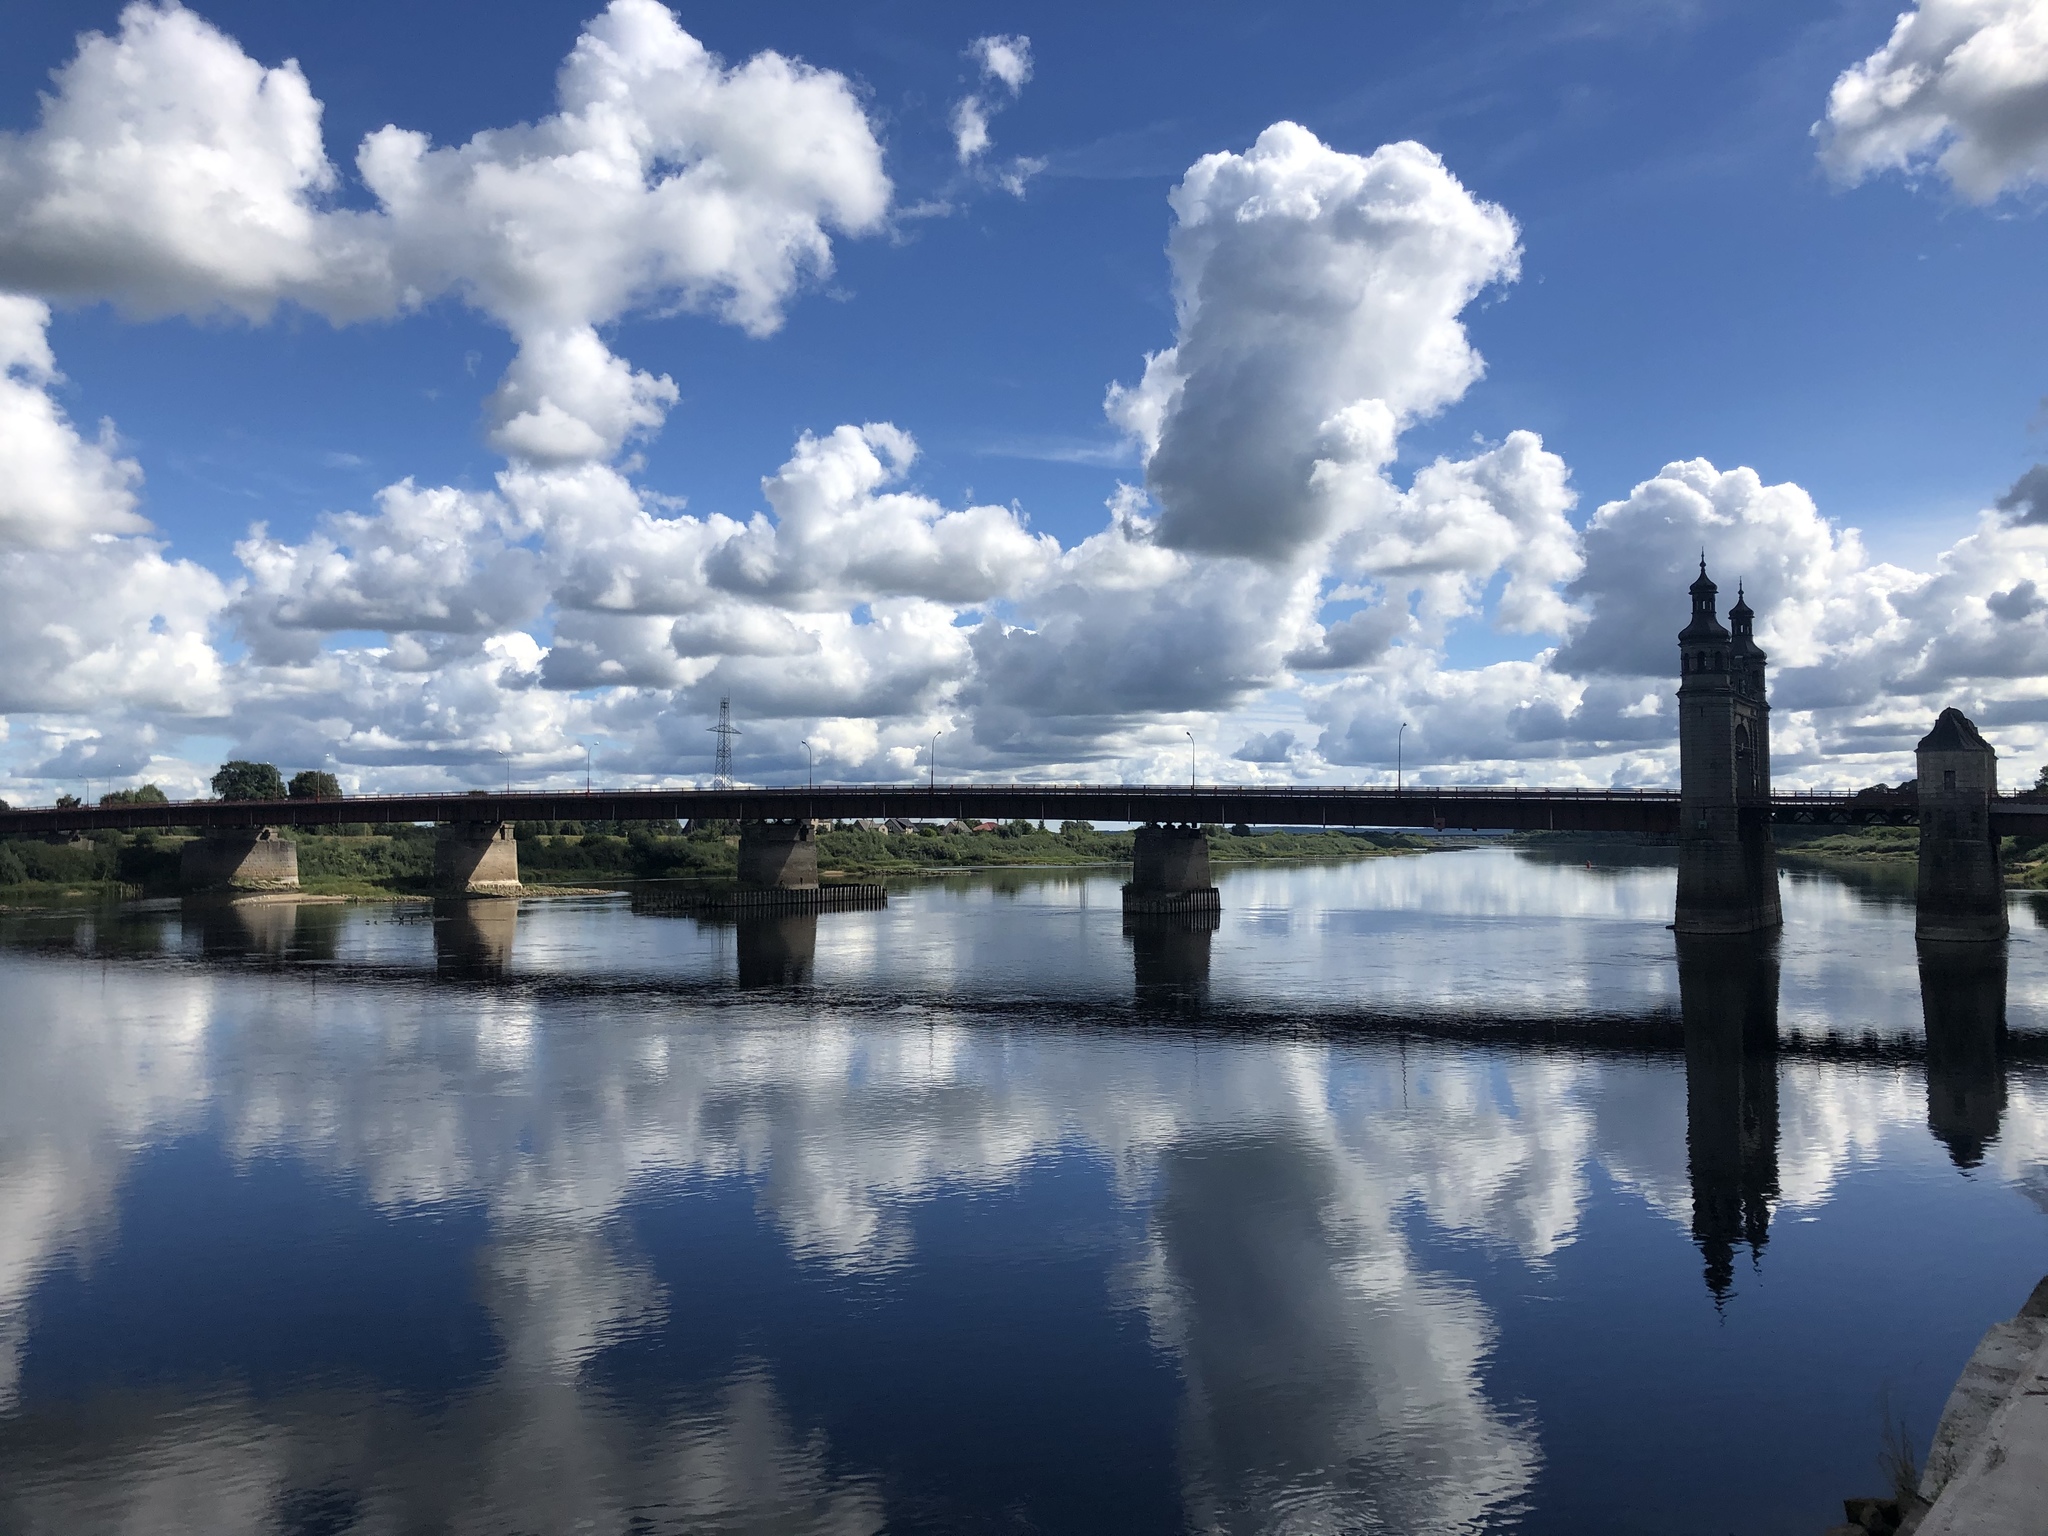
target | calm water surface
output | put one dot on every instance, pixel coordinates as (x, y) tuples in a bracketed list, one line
[(1426, 1194)]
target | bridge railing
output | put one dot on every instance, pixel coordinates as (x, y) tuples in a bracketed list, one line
[(895, 787)]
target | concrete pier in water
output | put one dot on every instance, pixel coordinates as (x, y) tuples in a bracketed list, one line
[(1170, 872), (1727, 864), (1961, 888), (251, 859), (778, 856), (476, 858)]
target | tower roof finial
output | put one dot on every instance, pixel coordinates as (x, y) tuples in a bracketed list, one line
[(1703, 589)]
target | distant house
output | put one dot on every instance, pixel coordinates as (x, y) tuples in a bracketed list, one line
[(955, 828), (898, 827), (871, 825)]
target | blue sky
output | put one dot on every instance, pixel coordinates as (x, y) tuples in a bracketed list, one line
[(1693, 282)]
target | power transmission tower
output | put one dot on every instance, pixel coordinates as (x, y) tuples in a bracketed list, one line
[(725, 730)]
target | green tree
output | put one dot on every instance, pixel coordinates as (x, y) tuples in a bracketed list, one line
[(69, 802), (2041, 777), (141, 794), (240, 780), (309, 784)]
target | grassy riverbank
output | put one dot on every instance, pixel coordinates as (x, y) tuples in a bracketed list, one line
[(400, 860), (2026, 862)]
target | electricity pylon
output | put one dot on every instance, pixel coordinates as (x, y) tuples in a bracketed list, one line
[(725, 730)]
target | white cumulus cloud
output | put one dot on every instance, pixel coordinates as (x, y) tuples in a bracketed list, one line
[(1318, 295), (171, 172), (1960, 87), (56, 487)]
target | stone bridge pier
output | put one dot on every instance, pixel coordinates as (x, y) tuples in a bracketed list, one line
[(778, 856), (1961, 889), (476, 858), (246, 859), (1170, 871)]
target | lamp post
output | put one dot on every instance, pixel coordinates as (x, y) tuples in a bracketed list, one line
[(1397, 755), (586, 767), (935, 760), (808, 760), (1191, 760)]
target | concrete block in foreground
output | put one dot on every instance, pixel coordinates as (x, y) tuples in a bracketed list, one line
[(1988, 1469)]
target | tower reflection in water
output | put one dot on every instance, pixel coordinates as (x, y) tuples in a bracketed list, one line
[(1728, 998), (1170, 959), (473, 937), (1962, 1002), (779, 950)]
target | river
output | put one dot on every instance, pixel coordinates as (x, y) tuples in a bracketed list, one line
[(1426, 1194)]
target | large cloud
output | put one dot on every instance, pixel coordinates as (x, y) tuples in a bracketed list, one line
[(56, 487), (93, 617), (1318, 295), (667, 178), (171, 172), (1960, 87), (437, 561), (1863, 653)]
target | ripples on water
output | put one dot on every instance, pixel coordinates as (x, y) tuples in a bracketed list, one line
[(1425, 1194)]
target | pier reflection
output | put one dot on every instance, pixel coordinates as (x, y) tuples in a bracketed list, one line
[(473, 937), (267, 927), (1170, 959), (1962, 1000), (778, 950), (1728, 998)]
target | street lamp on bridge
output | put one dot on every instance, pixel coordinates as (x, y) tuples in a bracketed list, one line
[(1397, 755)]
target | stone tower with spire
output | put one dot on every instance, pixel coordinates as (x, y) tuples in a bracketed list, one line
[(1727, 867)]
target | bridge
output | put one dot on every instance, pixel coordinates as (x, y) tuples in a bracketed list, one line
[(1438, 807), (1447, 807), (1721, 814)]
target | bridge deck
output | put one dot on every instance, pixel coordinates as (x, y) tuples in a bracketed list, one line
[(1469, 809)]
